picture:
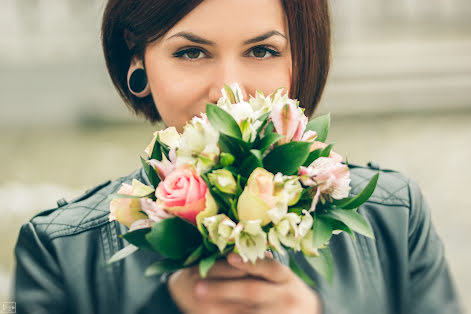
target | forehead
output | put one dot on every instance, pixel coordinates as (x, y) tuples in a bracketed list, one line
[(223, 18)]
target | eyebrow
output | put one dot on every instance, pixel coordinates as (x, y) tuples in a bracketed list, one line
[(200, 40)]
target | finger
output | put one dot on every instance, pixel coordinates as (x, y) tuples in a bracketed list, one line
[(223, 307), (253, 292), (267, 268), (222, 269)]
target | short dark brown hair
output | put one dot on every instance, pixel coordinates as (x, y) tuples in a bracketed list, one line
[(128, 26)]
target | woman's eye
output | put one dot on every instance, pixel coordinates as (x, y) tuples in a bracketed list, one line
[(191, 53), (261, 52)]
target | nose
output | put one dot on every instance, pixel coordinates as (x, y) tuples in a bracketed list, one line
[(227, 73)]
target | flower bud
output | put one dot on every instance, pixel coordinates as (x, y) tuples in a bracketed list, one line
[(226, 159), (288, 187), (223, 180)]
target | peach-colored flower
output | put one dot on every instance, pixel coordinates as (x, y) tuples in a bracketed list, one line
[(128, 210), (289, 120), (182, 193), (258, 197), (330, 178)]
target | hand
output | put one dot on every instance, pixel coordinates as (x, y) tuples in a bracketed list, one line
[(237, 287)]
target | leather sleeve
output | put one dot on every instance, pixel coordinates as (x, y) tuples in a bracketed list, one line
[(431, 289), (38, 286), (161, 301)]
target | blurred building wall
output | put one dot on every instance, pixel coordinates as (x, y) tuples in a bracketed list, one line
[(388, 56)]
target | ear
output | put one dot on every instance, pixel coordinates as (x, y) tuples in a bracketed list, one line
[(129, 38)]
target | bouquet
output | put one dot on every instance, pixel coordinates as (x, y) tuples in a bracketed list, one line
[(245, 176)]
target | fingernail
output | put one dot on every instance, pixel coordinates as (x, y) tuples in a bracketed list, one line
[(201, 288)]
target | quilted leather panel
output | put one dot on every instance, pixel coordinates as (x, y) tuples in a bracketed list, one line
[(392, 187), (79, 216)]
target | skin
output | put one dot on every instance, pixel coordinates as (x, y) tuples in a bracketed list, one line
[(233, 286), (221, 42), (182, 82)]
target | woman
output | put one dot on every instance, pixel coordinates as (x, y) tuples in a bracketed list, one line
[(168, 59)]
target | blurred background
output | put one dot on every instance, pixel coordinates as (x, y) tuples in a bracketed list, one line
[(399, 94)]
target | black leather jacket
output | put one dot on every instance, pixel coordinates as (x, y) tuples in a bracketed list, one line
[(61, 255)]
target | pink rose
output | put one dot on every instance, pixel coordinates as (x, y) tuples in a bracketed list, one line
[(331, 178), (182, 193), (289, 120)]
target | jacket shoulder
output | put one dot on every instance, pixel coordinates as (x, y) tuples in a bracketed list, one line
[(85, 212), (393, 188)]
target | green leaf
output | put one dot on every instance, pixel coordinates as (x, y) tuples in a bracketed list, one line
[(123, 253), (270, 128), (264, 121), (162, 266), (221, 198), (312, 156), (174, 237), (206, 264), (322, 230), (338, 225), (223, 121), (209, 246), (156, 151), (323, 264), (254, 160), (299, 272), (287, 158), (318, 153), (138, 238), (164, 148), (352, 219), (297, 210), (326, 151), (268, 140), (321, 125), (234, 146), (263, 118), (362, 197), (194, 256), (150, 172)]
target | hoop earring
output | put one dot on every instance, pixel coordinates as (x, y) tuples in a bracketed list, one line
[(137, 79)]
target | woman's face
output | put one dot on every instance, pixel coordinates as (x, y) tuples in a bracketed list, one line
[(219, 42)]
